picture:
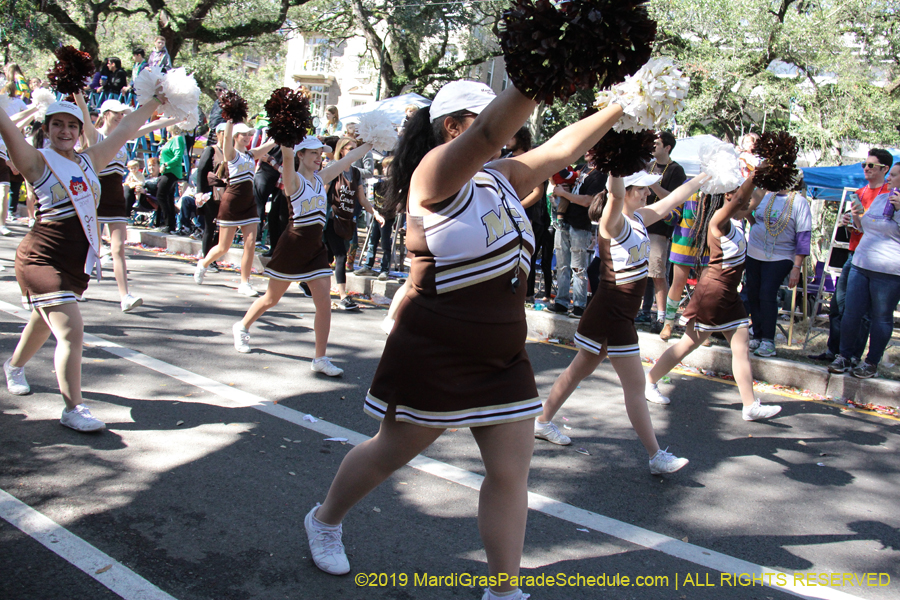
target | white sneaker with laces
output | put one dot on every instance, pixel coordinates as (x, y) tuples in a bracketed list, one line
[(323, 365), (81, 419), (665, 462), (652, 394), (245, 289), (551, 433), (241, 338), (129, 303), (325, 545), (15, 379), (4, 230), (757, 411), (199, 274)]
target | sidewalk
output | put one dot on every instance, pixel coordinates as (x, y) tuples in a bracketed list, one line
[(545, 325)]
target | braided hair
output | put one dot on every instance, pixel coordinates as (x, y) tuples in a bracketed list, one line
[(707, 206)]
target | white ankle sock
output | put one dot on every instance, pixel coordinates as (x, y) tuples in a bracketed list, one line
[(492, 595)]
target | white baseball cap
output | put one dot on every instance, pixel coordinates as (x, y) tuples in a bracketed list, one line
[(240, 128), (114, 106), (220, 127), (67, 108), (472, 96), (311, 142), (641, 179)]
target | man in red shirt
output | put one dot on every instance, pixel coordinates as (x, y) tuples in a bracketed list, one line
[(875, 168)]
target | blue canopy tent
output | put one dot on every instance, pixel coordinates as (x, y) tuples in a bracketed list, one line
[(828, 183)]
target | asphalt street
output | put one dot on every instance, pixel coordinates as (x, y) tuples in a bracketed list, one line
[(198, 489)]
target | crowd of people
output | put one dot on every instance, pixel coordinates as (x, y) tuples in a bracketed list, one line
[(483, 207)]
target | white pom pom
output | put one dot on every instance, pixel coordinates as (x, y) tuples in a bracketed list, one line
[(376, 128), (649, 98), (720, 160), (146, 82), (43, 98), (182, 95)]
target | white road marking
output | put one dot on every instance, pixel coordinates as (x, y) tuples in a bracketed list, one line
[(543, 504), (96, 563)]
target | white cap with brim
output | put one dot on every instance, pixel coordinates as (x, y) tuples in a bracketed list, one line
[(472, 96), (220, 127), (641, 179), (114, 106), (311, 143), (240, 128), (65, 108)]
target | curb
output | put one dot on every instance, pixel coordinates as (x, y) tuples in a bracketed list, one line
[(545, 325)]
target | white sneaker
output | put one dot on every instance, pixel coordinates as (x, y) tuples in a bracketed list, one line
[(15, 379), (323, 365), (518, 595), (652, 394), (30, 223), (81, 419), (199, 274), (757, 411), (245, 289), (664, 462), (130, 302), (753, 345), (551, 433), (325, 545), (241, 338), (4, 230), (106, 260)]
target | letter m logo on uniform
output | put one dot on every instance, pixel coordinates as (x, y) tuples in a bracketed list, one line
[(496, 225)]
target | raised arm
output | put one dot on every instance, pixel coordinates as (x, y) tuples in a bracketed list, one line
[(102, 153), (734, 207), (612, 220), (154, 125), (27, 159), (90, 132), (262, 149), (228, 150), (529, 169), (448, 167), (339, 166), (288, 174), (661, 209)]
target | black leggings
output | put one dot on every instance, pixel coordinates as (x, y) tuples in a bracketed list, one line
[(208, 212), (337, 251), (165, 196), (278, 217)]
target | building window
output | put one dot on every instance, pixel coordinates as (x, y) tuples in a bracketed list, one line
[(490, 76), (505, 83), (317, 100)]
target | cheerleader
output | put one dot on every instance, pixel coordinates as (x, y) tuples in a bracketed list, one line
[(113, 211), (715, 305), (456, 354), (301, 254), (237, 208), (55, 259), (607, 327)]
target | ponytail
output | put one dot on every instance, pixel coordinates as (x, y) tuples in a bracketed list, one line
[(706, 208), (419, 138)]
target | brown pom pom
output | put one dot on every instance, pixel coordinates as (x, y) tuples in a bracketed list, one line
[(621, 153), (780, 152), (234, 108), (72, 71), (289, 117), (553, 51)]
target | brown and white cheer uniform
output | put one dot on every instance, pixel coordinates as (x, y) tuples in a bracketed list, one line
[(715, 304), (238, 207), (456, 355), (609, 316), (300, 254), (112, 207)]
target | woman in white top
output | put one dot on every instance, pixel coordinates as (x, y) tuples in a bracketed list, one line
[(238, 208), (113, 210), (53, 261)]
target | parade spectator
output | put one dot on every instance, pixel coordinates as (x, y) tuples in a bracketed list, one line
[(215, 113), (672, 175), (159, 56), (265, 183), (171, 160), (15, 103), (15, 76), (333, 125), (873, 285), (117, 80), (875, 168), (134, 184), (97, 79), (573, 238), (139, 63), (210, 158), (776, 248), (749, 161), (35, 83), (381, 230)]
